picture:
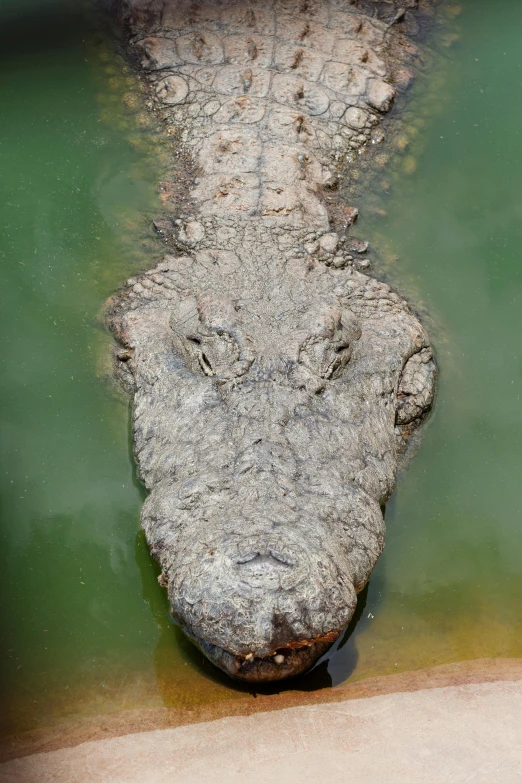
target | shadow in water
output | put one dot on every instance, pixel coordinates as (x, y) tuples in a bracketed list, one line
[(134, 468), (186, 677)]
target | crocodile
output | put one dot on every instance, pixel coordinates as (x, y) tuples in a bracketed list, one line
[(275, 383)]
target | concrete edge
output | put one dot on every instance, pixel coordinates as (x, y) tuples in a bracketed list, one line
[(69, 735)]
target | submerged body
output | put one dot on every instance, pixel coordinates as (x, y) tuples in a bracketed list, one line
[(274, 384)]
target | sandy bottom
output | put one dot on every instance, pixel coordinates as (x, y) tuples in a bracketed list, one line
[(460, 723)]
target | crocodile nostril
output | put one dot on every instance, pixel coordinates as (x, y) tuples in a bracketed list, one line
[(269, 556), (284, 559), (247, 558)]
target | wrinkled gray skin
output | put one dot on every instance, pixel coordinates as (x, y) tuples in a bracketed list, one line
[(274, 385)]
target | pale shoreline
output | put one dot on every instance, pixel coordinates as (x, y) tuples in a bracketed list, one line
[(129, 722), (456, 722)]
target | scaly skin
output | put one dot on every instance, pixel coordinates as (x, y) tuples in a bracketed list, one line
[(274, 385)]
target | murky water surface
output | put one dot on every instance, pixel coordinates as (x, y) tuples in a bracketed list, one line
[(84, 626)]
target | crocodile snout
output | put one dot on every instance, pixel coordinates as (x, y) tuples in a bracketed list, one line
[(263, 585)]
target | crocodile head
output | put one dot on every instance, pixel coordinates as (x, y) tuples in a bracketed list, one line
[(268, 419)]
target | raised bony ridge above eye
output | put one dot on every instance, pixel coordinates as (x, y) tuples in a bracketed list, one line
[(416, 387)]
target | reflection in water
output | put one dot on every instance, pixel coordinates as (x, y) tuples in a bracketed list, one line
[(342, 659)]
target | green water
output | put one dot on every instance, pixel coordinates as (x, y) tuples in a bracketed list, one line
[(84, 625), (72, 606), (449, 585)]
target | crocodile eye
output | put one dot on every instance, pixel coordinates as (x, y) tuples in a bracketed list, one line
[(205, 364), (216, 353), (207, 335), (327, 347), (325, 357), (202, 358)]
